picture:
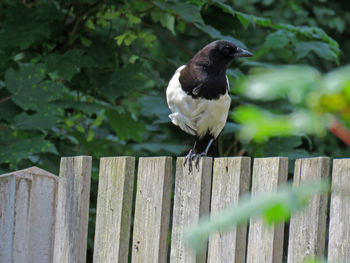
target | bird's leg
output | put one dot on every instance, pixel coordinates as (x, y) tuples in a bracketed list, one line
[(197, 156), (190, 156)]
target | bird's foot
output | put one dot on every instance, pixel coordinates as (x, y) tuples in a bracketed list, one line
[(197, 158), (191, 156), (188, 159)]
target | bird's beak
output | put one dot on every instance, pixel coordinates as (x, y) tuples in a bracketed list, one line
[(242, 53)]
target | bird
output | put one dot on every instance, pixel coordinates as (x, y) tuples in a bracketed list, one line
[(198, 95)]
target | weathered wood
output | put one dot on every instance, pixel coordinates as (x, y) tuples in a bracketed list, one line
[(265, 243), (307, 229), (231, 179), (114, 205), (27, 216), (72, 210), (339, 227), (152, 210), (192, 199)]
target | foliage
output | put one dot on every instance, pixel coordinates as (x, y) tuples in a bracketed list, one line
[(89, 76), (273, 208), (316, 102)]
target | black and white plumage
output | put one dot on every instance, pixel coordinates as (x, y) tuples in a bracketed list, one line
[(197, 95)]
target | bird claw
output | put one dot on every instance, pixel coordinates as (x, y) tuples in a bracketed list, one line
[(197, 158), (191, 156), (188, 159)]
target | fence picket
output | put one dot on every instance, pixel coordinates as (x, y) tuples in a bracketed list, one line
[(191, 199), (27, 216), (152, 210), (114, 203), (72, 210), (231, 179), (339, 226), (265, 244), (307, 229)]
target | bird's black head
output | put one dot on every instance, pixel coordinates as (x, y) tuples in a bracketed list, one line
[(229, 50), (217, 55)]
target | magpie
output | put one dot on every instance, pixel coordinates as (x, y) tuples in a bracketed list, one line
[(197, 95)]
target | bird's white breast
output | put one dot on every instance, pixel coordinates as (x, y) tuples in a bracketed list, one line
[(196, 116)]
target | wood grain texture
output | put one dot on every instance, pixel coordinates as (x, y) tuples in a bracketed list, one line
[(307, 229), (339, 227), (231, 179), (265, 244), (152, 210), (27, 216), (191, 199), (72, 210), (114, 205)]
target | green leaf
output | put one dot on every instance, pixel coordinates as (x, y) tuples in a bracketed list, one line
[(146, 36), (155, 106), (278, 39), (69, 122), (19, 150), (125, 126), (68, 64), (98, 121), (244, 19), (312, 33), (85, 41), (34, 121), (80, 128), (122, 80), (276, 213), (90, 135), (24, 26), (166, 20), (30, 90), (190, 13), (275, 84), (337, 80), (8, 110), (216, 34), (321, 49), (133, 19), (86, 107), (258, 124)]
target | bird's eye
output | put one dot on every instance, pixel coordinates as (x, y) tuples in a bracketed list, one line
[(226, 51)]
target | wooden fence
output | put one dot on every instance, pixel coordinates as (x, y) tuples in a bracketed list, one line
[(44, 218)]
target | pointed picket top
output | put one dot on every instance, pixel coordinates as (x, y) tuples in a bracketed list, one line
[(34, 170)]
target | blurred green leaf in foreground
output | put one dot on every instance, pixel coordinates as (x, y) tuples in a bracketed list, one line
[(274, 208), (317, 102)]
